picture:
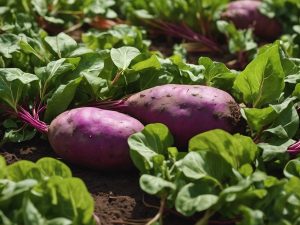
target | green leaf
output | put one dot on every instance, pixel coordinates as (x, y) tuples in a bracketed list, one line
[(51, 167), (195, 197), (2, 167), (155, 185), (61, 99), (296, 91), (216, 74), (262, 81), (239, 40), (286, 124), (123, 56), (154, 139), (19, 170), (235, 149), (292, 168), (152, 62), (40, 6), (251, 216), (259, 118), (8, 44), (197, 165), (274, 147), (62, 44), (31, 215), (18, 135)]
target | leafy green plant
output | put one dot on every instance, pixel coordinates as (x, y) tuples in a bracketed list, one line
[(220, 176), (43, 193)]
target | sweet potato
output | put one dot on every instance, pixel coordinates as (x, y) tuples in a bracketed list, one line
[(245, 14), (186, 109), (93, 137)]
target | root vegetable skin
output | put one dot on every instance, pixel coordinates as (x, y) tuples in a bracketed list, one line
[(93, 138), (245, 14), (186, 109)]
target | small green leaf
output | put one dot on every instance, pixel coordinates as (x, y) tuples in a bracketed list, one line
[(123, 56), (154, 139), (195, 197), (292, 168), (155, 185), (296, 91), (152, 62)]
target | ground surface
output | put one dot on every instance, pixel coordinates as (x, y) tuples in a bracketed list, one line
[(117, 195)]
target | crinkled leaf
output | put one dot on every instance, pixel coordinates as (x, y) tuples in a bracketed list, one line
[(19, 170), (52, 167)]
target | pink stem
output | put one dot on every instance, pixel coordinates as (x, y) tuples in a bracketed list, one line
[(32, 120)]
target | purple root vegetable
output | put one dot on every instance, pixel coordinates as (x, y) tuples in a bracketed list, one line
[(90, 137), (186, 109), (294, 149), (245, 14)]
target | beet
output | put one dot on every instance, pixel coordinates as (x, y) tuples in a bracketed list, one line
[(187, 110), (245, 14)]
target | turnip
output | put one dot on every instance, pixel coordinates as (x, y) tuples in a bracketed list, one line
[(245, 14), (186, 109), (89, 136)]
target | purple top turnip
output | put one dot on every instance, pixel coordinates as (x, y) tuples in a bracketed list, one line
[(245, 14)]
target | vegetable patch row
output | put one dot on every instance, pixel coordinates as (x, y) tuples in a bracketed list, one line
[(215, 145)]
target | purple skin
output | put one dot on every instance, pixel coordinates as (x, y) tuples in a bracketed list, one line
[(93, 137), (245, 14), (294, 149), (187, 110)]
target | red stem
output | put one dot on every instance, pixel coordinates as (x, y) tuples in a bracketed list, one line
[(32, 120)]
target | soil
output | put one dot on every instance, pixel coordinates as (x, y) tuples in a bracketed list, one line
[(117, 195)]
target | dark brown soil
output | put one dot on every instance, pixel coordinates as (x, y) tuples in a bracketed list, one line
[(117, 195)]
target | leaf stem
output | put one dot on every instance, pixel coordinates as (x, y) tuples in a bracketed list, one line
[(158, 216)]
